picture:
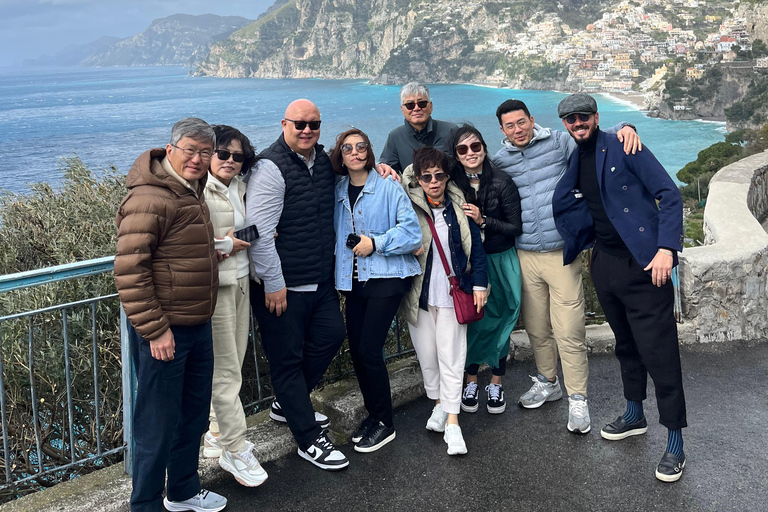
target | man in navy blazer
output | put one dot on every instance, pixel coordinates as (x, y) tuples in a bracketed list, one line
[(628, 207)]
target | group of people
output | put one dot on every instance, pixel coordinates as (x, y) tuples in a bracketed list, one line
[(211, 231)]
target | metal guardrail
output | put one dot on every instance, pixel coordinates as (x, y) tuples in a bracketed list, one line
[(69, 444)]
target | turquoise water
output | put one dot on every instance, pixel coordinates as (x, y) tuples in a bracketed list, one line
[(109, 116)]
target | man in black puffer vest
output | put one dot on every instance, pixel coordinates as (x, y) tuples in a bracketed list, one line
[(291, 192)]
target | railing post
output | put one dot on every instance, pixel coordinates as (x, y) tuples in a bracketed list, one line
[(129, 380)]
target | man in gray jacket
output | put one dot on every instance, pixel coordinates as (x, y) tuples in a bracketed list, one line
[(552, 294), (419, 129)]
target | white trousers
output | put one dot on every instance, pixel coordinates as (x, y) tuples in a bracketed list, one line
[(441, 346), (230, 341)]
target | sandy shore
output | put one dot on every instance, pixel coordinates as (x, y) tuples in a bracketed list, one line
[(635, 99)]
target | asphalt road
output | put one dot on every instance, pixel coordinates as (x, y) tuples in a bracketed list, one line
[(527, 460)]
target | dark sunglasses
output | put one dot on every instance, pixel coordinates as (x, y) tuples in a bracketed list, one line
[(223, 155), (300, 125), (412, 104), (360, 147), (463, 148), (439, 176), (582, 117)]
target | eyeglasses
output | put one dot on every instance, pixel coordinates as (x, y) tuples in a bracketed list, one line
[(572, 118), (223, 155), (463, 148), (360, 147), (300, 125), (410, 105), (205, 154), (438, 176)]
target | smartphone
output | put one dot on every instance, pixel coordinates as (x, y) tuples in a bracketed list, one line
[(248, 234), (353, 240)]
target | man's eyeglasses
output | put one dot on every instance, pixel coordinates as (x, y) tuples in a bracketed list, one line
[(438, 176), (300, 125), (205, 154), (360, 147), (223, 155), (463, 148), (410, 105), (572, 118)]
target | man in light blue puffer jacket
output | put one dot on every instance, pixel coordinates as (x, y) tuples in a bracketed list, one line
[(552, 296)]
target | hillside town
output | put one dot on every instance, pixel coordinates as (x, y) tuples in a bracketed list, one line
[(628, 49)]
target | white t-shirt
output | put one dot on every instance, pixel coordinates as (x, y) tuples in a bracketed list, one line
[(239, 211), (439, 287)]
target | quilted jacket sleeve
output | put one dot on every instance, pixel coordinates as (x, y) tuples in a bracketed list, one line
[(141, 221)]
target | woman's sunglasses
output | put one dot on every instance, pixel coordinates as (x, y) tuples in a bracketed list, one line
[(223, 155), (439, 176), (463, 148), (582, 117), (360, 147), (412, 104)]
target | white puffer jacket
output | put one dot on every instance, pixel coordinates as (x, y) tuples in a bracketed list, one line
[(223, 219)]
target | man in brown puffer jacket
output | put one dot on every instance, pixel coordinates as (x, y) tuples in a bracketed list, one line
[(166, 275)]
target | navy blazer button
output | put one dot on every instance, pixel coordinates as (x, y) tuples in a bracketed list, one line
[(626, 210), (642, 229), (624, 187)]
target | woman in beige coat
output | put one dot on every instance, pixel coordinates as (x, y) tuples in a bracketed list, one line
[(225, 196)]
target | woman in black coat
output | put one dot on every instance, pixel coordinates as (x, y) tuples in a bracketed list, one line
[(493, 202)]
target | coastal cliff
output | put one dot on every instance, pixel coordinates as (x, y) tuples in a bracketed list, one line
[(178, 40), (392, 41)]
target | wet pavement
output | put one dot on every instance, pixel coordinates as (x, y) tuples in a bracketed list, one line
[(527, 460)]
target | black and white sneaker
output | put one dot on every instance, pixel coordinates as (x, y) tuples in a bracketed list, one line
[(358, 434), (496, 403), (670, 468), (276, 413), (469, 397), (377, 436), (323, 454)]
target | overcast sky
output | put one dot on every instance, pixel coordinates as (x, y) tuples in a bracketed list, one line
[(31, 28)]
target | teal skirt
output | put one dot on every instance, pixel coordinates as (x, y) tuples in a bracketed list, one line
[(488, 339)]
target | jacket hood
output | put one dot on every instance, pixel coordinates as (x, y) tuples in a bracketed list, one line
[(539, 133), (148, 170)]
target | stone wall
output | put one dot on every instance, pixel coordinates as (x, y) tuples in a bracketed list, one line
[(723, 284)]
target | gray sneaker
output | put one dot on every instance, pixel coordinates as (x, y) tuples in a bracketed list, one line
[(541, 391), (578, 414), (204, 501)]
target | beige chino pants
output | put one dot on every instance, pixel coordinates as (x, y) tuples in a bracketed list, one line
[(553, 312), (230, 341)]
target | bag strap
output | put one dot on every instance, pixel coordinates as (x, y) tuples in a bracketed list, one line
[(439, 246)]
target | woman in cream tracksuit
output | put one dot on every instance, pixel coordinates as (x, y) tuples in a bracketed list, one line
[(225, 197)]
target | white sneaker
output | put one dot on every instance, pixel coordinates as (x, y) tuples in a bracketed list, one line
[(578, 414), (436, 422), (454, 440), (204, 501), (211, 446), (243, 466)]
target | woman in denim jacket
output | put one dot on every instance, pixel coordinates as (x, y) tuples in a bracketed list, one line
[(376, 234)]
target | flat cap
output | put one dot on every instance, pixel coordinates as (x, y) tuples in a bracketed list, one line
[(579, 103)]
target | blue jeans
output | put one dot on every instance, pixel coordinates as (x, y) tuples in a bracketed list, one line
[(171, 415)]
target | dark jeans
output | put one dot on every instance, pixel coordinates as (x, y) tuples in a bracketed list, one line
[(171, 415), (368, 322), (642, 318), (300, 344), (499, 371)]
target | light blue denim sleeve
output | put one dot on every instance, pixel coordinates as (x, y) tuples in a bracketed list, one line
[(405, 236)]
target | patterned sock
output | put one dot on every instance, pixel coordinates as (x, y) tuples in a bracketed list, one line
[(675, 442), (634, 411)]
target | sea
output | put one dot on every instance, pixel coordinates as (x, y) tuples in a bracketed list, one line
[(108, 116)]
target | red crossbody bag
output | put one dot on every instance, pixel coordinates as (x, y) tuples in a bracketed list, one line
[(463, 302)]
